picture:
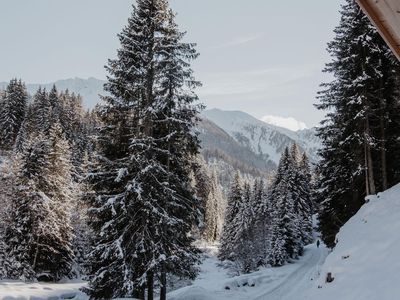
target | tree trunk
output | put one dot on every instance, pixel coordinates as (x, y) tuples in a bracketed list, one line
[(150, 286), (140, 293), (367, 189), (370, 167), (163, 283), (383, 147)]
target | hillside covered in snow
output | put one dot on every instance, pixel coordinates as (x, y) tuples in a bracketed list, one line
[(364, 264)]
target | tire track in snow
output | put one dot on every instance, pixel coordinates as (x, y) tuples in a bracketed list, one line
[(299, 281)]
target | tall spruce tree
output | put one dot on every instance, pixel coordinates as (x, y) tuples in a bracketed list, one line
[(12, 113), (41, 111), (228, 237), (244, 235), (285, 237), (144, 207), (39, 235), (214, 210), (307, 202), (358, 134), (261, 223)]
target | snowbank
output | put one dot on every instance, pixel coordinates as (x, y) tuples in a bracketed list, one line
[(365, 263)]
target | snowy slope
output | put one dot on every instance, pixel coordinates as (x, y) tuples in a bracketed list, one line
[(365, 263), (263, 139)]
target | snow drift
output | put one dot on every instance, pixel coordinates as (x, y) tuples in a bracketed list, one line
[(365, 263)]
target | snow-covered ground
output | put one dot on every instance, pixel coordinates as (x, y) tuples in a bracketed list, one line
[(17, 290), (365, 263), (213, 283), (284, 283)]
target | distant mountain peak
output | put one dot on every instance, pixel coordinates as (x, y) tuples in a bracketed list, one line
[(263, 139), (288, 123)]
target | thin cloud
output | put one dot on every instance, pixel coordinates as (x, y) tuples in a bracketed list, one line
[(237, 42)]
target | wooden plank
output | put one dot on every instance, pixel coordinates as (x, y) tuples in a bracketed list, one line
[(388, 10), (381, 12)]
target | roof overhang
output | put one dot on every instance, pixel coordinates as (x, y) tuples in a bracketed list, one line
[(385, 15)]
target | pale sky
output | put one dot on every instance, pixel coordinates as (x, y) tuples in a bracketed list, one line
[(263, 57)]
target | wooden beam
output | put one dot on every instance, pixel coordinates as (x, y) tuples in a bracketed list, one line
[(379, 22)]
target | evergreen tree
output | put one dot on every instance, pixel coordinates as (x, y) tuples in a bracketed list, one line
[(214, 210), (306, 196), (41, 111), (285, 235), (261, 223), (228, 237), (39, 235), (244, 235), (27, 127), (7, 190), (12, 113), (144, 207)]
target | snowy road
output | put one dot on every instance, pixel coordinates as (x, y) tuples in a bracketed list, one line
[(290, 282), (300, 280)]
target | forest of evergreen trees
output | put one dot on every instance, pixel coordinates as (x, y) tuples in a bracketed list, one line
[(269, 226), (118, 195), (360, 134)]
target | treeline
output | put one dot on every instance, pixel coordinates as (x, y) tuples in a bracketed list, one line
[(360, 134), (270, 225)]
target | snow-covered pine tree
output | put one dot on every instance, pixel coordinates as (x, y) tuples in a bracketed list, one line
[(201, 182), (285, 234), (307, 199), (56, 106), (39, 235), (7, 190), (12, 113), (83, 237), (228, 237), (214, 210), (26, 129), (41, 111), (363, 114), (261, 223), (301, 184), (144, 207), (58, 186), (244, 236)]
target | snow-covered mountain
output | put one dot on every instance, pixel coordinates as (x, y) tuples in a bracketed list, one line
[(265, 140), (89, 88), (226, 155)]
